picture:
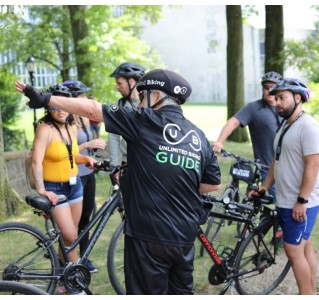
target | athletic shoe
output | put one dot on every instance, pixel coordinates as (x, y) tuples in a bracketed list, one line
[(91, 267)]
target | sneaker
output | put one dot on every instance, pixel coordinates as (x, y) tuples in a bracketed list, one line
[(91, 267)]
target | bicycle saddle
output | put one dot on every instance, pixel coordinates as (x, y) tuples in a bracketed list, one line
[(43, 203)]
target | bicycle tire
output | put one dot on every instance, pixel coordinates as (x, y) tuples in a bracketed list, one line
[(19, 288), (115, 260), (23, 253), (253, 254), (213, 228)]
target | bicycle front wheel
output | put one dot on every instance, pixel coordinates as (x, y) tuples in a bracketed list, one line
[(115, 260), (18, 288), (261, 264), (25, 257)]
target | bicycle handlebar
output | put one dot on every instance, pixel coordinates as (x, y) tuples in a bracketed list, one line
[(106, 166), (256, 162)]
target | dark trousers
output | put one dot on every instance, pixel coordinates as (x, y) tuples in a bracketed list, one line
[(156, 269), (88, 182)]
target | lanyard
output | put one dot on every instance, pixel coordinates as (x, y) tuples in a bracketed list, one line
[(278, 150), (66, 143)]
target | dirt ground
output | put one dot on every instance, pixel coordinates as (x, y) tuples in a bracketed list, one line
[(287, 287)]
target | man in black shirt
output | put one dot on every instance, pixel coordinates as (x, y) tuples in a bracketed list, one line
[(171, 164)]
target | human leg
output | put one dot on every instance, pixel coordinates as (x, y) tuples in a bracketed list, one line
[(88, 182), (64, 219), (298, 247), (312, 260)]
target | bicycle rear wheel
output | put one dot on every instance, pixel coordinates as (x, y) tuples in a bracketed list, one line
[(24, 256), (18, 288), (262, 262), (115, 260)]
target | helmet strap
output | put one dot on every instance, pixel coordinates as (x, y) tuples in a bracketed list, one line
[(161, 101), (294, 108), (128, 97)]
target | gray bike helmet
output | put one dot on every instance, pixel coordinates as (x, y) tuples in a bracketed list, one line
[(293, 85), (59, 90), (272, 77), (76, 87), (129, 70)]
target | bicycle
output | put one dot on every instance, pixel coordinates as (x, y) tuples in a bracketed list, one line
[(256, 265), (242, 170), (18, 288), (27, 255)]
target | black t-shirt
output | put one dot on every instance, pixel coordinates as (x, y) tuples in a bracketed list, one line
[(168, 158)]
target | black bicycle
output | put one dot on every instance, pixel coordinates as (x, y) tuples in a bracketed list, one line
[(257, 264), (28, 255), (242, 170), (19, 288)]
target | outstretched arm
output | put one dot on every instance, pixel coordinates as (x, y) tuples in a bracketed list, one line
[(227, 130), (83, 107)]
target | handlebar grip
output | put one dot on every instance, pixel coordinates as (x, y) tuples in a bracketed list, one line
[(244, 206)]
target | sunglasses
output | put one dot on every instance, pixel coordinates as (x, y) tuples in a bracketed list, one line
[(141, 94), (268, 87), (54, 109)]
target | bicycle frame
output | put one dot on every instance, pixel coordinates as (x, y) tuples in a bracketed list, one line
[(101, 217), (225, 271)]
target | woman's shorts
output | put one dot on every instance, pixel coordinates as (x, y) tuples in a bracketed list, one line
[(74, 193)]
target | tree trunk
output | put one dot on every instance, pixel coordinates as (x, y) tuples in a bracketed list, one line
[(235, 68), (274, 38), (10, 201), (80, 31)]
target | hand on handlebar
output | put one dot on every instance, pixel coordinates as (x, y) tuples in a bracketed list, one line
[(258, 192), (218, 147)]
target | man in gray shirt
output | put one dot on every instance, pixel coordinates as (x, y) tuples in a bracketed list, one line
[(262, 119), (295, 170), (126, 77)]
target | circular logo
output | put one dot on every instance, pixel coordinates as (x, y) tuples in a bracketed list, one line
[(180, 90), (114, 108)]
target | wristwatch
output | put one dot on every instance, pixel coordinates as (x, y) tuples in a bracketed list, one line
[(302, 200)]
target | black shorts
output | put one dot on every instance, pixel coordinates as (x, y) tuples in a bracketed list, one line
[(156, 269)]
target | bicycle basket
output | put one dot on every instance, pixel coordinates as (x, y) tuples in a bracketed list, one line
[(242, 171)]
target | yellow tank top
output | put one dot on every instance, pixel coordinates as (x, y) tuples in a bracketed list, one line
[(56, 163)]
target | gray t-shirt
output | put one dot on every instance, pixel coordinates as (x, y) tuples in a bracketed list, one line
[(263, 121), (301, 139), (82, 138)]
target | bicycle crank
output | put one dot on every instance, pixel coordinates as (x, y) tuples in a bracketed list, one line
[(76, 279), (217, 274)]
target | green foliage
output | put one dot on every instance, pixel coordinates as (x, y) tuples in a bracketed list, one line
[(304, 54), (312, 107), (9, 103), (45, 32)]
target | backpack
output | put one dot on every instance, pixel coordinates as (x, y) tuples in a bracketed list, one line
[(28, 169)]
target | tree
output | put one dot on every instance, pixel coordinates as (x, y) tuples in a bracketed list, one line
[(10, 201), (99, 41), (274, 38), (235, 67)]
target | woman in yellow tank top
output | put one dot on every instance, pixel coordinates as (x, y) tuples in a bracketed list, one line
[(54, 164)]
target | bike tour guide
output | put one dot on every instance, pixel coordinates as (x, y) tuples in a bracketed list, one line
[(171, 165)]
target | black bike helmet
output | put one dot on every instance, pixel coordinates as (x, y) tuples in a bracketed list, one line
[(59, 90), (129, 70), (76, 87), (271, 76), (166, 81), (293, 85)]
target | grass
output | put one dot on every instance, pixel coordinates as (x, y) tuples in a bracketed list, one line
[(210, 118)]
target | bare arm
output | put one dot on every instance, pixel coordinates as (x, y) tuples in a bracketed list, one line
[(308, 182), (227, 130), (40, 143), (83, 107), (206, 188)]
